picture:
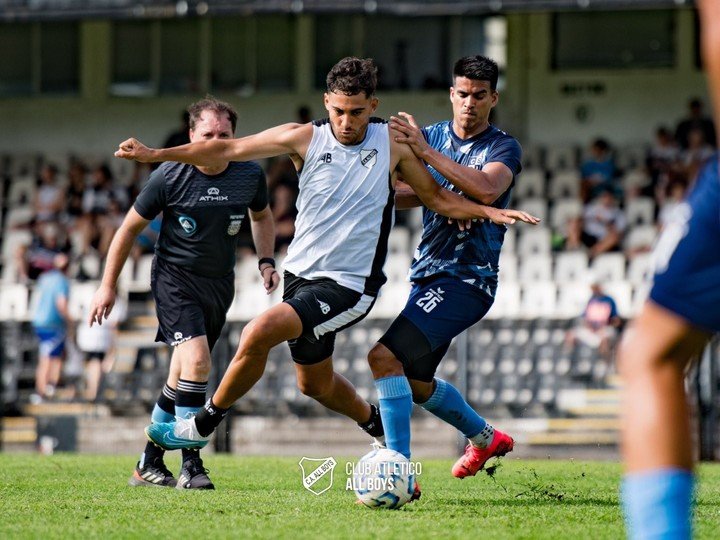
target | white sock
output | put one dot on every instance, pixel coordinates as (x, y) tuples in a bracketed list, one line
[(484, 438)]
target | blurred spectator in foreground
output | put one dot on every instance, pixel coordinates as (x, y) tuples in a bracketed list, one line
[(598, 172), (51, 321), (695, 120), (49, 199), (284, 212), (39, 256), (598, 326), (601, 227), (97, 343), (181, 135)]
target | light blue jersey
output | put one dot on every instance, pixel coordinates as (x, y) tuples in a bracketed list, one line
[(50, 286), (473, 255)]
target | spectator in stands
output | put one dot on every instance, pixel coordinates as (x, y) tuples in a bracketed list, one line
[(698, 151), (598, 326), (38, 257), (97, 343), (97, 198), (49, 198), (695, 120), (675, 194), (598, 171), (51, 321), (601, 227), (284, 212), (77, 182), (181, 135), (661, 159)]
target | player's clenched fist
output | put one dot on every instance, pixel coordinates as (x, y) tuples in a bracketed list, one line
[(134, 149)]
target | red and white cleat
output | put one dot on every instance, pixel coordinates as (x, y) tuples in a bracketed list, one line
[(475, 458)]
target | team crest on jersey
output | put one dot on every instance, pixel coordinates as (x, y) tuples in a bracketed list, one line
[(235, 224), (188, 224), (479, 160), (368, 158)]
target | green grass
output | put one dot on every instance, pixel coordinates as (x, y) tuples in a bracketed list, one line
[(72, 496)]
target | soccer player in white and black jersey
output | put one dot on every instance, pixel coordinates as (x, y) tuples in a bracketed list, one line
[(193, 272), (348, 166)]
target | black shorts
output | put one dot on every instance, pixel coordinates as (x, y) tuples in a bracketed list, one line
[(325, 308), (189, 305)]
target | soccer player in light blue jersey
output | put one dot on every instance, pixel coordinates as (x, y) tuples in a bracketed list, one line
[(672, 328), (454, 272)]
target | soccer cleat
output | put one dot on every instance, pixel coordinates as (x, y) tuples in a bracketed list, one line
[(416, 492), (475, 458), (154, 474), (176, 435), (194, 476)]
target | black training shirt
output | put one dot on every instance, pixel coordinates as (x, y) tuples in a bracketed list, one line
[(201, 214)]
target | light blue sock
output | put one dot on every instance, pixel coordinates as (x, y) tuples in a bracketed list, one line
[(657, 504), (160, 416), (186, 412), (395, 410), (448, 405)]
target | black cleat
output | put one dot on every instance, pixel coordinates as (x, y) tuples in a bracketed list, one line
[(152, 474), (194, 476)]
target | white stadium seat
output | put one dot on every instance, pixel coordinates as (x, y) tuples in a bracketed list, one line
[(572, 298), (609, 267), (536, 268), (564, 184), (570, 266), (641, 236), (507, 301), (621, 292), (530, 183), (13, 302), (393, 297), (508, 267), (534, 240), (560, 157), (538, 300), (399, 240), (536, 206), (564, 210), (81, 295), (640, 270), (21, 191), (640, 210)]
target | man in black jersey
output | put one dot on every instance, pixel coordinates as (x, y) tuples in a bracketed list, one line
[(193, 273)]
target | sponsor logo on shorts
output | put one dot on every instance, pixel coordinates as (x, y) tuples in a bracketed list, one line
[(179, 338), (188, 224), (368, 158), (213, 194)]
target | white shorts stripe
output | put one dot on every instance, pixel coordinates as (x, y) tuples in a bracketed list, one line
[(346, 317)]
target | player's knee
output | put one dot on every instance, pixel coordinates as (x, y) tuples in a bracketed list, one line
[(199, 366), (253, 340), (315, 388), (383, 362)]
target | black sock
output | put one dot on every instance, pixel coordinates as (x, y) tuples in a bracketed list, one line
[(151, 453), (209, 417), (373, 426), (190, 453)]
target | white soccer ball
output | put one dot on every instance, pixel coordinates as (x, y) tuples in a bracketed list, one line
[(384, 478)]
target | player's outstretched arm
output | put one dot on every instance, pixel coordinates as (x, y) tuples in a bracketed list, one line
[(444, 201), (120, 247), (484, 185), (285, 139)]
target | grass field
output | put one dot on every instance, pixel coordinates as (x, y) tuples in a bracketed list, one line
[(72, 496)]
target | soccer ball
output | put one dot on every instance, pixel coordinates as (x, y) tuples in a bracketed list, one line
[(384, 478)]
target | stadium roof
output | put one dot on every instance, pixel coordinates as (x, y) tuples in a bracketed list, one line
[(79, 9)]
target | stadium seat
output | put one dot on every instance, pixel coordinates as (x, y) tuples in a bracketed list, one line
[(640, 269), (507, 301), (641, 236), (81, 295), (630, 156), (399, 240), (634, 179), (536, 268), (570, 266), (533, 241), (621, 292), (508, 267), (14, 302), (12, 240), (564, 184), (532, 156), (21, 191), (509, 240), (538, 300), (141, 278), (609, 267), (639, 296), (18, 216), (530, 183), (536, 206), (640, 211), (561, 157), (564, 210), (396, 267), (572, 298), (393, 297)]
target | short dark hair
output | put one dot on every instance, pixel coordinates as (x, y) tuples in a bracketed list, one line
[(477, 68), (209, 103), (351, 76)]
